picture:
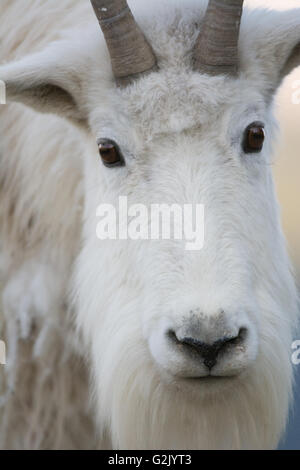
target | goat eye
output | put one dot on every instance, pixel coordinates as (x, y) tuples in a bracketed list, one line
[(254, 138), (110, 153)]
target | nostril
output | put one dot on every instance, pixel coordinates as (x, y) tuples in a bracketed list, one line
[(239, 338), (208, 352), (173, 337)]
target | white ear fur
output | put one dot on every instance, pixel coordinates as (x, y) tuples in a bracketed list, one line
[(45, 81), (292, 62), (270, 45)]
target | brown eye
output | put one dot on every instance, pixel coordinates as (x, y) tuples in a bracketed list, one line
[(254, 138), (110, 153)]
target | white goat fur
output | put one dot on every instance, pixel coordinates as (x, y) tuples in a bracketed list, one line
[(51, 183)]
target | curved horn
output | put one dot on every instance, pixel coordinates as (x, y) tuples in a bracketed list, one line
[(216, 49), (129, 50)]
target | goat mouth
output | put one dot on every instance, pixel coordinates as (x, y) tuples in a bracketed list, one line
[(211, 379), (207, 385)]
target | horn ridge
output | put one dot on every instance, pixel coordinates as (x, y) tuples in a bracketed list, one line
[(131, 54), (216, 48)]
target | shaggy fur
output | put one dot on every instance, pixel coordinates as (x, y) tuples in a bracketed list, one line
[(180, 133)]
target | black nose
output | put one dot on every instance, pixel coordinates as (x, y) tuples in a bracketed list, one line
[(210, 352)]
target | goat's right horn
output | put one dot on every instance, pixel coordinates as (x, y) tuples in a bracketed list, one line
[(130, 53)]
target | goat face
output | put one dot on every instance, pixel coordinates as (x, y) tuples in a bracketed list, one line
[(190, 150)]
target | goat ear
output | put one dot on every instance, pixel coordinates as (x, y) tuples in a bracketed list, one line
[(44, 82), (292, 62), (270, 45)]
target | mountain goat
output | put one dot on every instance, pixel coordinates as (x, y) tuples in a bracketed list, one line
[(140, 343)]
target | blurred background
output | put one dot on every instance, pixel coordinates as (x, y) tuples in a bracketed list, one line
[(287, 176)]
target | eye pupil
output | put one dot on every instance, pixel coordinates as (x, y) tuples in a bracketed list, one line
[(110, 153), (254, 138)]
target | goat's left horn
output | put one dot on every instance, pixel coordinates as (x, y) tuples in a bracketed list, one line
[(216, 49), (130, 53)]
